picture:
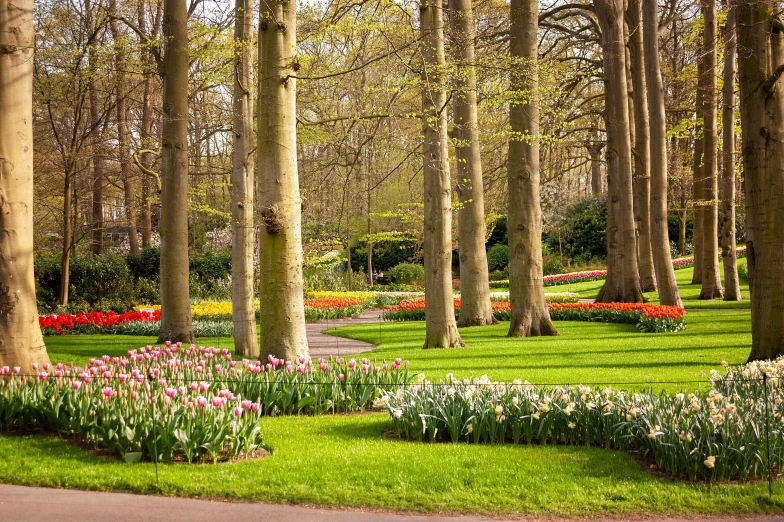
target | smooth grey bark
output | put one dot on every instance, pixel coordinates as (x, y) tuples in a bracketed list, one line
[(529, 314), (641, 151), (243, 186), (623, 280), (698, 174), (475, 307), (760, 54), (176, 321), (728, 242), (711, 278), (440, 325), (662, 259), (21, 342), (280, 205)]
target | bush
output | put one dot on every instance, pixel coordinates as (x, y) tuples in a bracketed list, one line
[(386, 254), (146, 265), (404, 273), (498, 257), (581, 233), (92, 279), (499, 275)]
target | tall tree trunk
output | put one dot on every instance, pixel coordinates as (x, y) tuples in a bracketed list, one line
[(595, 153), (728, 243), (176, 322), (642, 164), (662, 260), (530, 316), (760, 52), (65, 256), (124, 135), (147, 139), (698, 173), (623, 279), (96, 141), (475, 307), (243, 186), (711, 278), (280, 236), (441, 328), (21, 343), (369, 226)]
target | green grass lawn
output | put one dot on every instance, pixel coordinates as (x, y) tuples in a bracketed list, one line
[(346, 460), (689, 293)]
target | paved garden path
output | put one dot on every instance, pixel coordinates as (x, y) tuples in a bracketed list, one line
[(323, 345), (21, 503)]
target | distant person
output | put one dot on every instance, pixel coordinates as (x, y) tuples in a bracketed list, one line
[(375, 276)]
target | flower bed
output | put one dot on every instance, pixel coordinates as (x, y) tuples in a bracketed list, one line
[(204, 404), (145, 323), (559, 297), (647, 317), (718, 435)]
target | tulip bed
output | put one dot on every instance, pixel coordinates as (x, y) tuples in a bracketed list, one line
[(720, 435), (143, 322), (647, 317), (204, 405)]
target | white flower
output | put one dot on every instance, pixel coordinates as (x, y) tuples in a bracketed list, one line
[(515, 400), (398, 414), (710, 462), (469, 428), (571, 425), (499, 410)]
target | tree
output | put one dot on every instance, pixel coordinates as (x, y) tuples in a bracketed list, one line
[(280, 237), (242, 186), (530, 316), (662, 260), (21, 341), (728, 243), (441, 328), (595, 152), (642, 177), (176, 321), (760, 65), (623, 280), (475, 307), (711, 279)]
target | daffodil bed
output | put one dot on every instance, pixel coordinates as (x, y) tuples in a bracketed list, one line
[(647, 317), (720, 435), (190, 403)]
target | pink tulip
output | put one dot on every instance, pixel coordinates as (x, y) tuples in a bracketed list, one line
[(322, 366), (17, 369), (246, 404), (35, 366), (341, 376), (107, 392), (77, 385), (255, 406), (237, 411), (352, 364), (201, 401), (43, 376), (171, 392), (5, 370)]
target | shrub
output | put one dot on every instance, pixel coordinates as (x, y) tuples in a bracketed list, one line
[(581, 233), (498, 257), (386, 253), (404, 273)]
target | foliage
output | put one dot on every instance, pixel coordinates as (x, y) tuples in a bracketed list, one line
[(713, 436), (389, 249), (581, 233), (498, 258), (404, 273), (497, 233)]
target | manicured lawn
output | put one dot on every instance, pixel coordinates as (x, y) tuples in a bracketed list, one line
[(689, 293), (346, 461), (584, 353)]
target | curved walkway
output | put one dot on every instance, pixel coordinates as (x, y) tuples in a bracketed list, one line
[(324, 345), (22, 503)]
